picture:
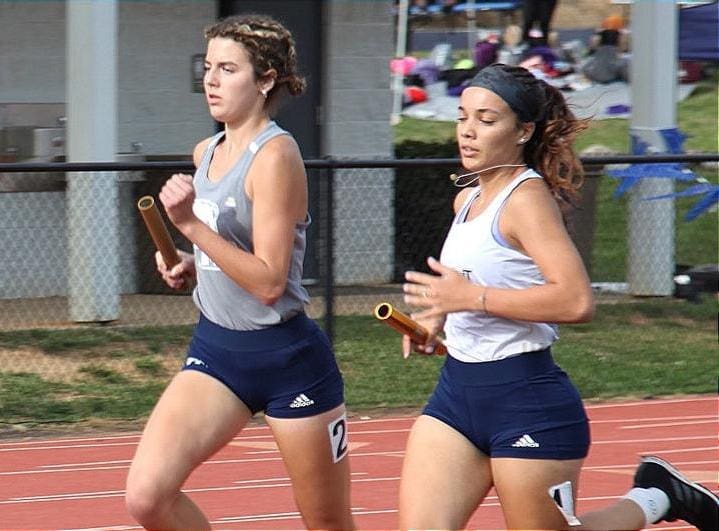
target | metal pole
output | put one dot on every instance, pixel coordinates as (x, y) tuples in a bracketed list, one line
[(329, 274), (650, 269), (400, 51), (471, 28)]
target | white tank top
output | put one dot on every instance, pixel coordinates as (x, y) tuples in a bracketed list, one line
[(477, 250)]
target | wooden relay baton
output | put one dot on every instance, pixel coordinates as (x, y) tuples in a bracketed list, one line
[(158, 230), (405, 325)]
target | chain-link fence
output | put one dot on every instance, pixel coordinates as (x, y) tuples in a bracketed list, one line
[(76, 255)]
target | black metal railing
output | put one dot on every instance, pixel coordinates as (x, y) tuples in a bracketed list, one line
[(327, 173)]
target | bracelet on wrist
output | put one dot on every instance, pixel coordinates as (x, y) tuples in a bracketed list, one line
[(483, 301)]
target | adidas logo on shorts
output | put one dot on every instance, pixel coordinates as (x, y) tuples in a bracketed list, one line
[(525, 441), (190, 361), (301, 401)]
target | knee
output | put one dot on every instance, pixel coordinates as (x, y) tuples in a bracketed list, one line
[(329, 519), (145, 502)]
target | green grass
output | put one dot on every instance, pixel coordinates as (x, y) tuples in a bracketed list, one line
[(58, 341), (643, 349), (28, 399), (631, 349)]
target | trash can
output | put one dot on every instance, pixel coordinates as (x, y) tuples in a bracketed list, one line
[(583, 218)]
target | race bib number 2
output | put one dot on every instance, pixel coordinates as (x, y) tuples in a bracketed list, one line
[(338, 437)]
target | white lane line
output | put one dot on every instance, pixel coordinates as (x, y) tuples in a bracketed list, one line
[(653, 402), (267, 517), (634, 465), (668, 424), (54, 444), (88, 463), (655, 439), (66, 446), (91, 495), (703, 419), (652, 419), (388, 453), (75, 440), (56, 470), (679, 450), (105, 528)]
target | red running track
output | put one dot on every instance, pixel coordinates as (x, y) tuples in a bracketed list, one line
[(77, 483)]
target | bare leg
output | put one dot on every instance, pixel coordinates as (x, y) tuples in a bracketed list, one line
[(320, 482), (444, 477), (522, 486), (195, 417)]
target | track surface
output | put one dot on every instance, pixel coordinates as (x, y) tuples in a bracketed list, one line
[(77, 483)]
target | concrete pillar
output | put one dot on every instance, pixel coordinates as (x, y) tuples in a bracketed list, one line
[(92, 197), (650, 269)]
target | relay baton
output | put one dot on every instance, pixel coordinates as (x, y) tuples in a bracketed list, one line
[(158, 230), (405, 325)]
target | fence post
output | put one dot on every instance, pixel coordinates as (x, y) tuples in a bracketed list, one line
[(583, 220), (329, 275)]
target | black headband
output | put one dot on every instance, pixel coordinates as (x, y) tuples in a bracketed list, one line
[(524, 99)]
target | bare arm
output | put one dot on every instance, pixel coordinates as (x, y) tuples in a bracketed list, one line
[(277, 186), (532, 223)]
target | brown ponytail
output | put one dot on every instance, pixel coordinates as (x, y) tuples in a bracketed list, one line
[(550, 150)]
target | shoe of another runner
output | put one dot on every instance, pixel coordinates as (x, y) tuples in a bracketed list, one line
[(689, 501)]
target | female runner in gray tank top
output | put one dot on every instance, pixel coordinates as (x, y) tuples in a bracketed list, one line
[(253, 349)]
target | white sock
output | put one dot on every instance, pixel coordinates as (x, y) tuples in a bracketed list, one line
[(652, 501)]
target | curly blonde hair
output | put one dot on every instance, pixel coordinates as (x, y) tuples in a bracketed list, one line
[(269, 45)]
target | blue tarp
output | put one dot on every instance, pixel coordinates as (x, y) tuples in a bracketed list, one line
[(699, 33)]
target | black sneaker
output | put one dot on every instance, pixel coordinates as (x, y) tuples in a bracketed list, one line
[(688, 501)]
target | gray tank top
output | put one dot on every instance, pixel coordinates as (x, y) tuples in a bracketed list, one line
[(227, 210)]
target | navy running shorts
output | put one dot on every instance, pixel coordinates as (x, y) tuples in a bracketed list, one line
[(524, 406), (287, 370)]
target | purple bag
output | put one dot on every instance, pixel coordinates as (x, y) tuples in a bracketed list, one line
[(427, 70)]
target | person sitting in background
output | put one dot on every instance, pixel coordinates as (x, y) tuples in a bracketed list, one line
[(605, 63), (511, 51)]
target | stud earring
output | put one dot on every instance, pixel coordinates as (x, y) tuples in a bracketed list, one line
[(264, 92)]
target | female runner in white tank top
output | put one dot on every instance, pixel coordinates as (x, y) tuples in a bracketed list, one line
[(503, 415)]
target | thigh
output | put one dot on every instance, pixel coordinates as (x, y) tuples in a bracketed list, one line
[(444, 477), (195, 416), (522, 487), (314, 450)]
